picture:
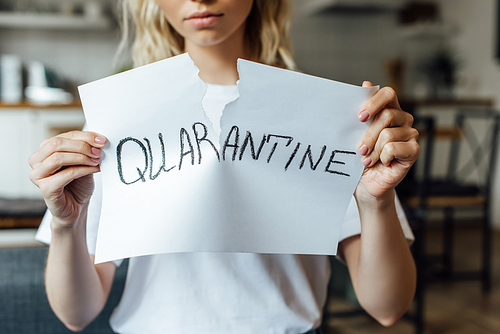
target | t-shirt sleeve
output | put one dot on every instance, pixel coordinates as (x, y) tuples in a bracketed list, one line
[(352, 223)]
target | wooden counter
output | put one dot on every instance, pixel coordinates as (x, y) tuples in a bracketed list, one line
[(28, 105)]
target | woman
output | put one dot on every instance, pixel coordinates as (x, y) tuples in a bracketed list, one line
[(225, 292)]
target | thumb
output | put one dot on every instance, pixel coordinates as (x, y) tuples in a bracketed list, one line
[(367, 84)]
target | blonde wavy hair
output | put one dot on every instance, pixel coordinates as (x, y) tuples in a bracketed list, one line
[(267, 31)]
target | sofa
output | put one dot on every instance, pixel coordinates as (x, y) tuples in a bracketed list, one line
[(24, 307)]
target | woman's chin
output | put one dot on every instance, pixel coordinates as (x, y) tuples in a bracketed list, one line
[(205, 39)]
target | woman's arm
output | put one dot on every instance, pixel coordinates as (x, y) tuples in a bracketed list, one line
[(76, 288), (62, 168), (379, 260), (381, 265)]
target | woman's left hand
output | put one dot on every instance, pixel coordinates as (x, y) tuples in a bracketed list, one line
[(389, 147)]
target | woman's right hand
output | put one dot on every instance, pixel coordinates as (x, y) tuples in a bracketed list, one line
[(62, 169)]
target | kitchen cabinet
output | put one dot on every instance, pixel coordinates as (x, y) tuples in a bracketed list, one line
[(22, 129)]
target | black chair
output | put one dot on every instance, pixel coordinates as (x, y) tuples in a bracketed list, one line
[(341, 286), (421, 193), (466, 186)]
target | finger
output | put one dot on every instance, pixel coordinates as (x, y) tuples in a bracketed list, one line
[(61, 144), (391, 135), (59, 160), (367, 84), (386, 119), (54, 185), (405, 153), (384, 98), (92, 138), (89, 143)]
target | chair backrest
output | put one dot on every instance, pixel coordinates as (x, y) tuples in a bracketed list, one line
[(474, 153)]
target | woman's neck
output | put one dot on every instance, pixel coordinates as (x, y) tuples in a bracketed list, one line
[(217, 63)]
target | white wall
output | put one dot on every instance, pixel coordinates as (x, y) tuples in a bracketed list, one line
[(475, 44), (354, 47), (349, 48)]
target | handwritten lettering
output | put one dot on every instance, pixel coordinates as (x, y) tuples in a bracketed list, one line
[(331, 161), (150, 151), (248, 139), (290, 139), (309, 155), (187, 147), (203, 138), (184, 135), (119, 150), (234, 145)]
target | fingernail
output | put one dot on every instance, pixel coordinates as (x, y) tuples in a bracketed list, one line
[(96, 151), (363, 116), (100, 140), (363, 150), (367, 161), (96, 160)]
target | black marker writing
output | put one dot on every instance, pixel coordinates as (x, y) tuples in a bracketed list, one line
[(331, 161), (119, 149), (203, 138), (235, 145), (294, 153), (309, 154), (248, 139), (162, 167), (200, 132), (290, 139), (184, 134)]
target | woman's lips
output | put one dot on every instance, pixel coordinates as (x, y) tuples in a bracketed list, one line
[(204, 19)]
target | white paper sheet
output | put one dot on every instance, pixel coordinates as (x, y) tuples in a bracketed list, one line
[(212, 194)]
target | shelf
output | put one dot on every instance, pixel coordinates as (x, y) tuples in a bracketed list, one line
[(76, 104), (52, 21), (313, 7)]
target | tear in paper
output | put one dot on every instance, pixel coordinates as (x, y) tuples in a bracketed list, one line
[(278, 180)]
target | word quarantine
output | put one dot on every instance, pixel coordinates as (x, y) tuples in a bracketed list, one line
[(236, 147)]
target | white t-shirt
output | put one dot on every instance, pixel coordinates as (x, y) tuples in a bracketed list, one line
[(223, 293)]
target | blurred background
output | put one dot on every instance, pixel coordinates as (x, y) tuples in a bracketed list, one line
[(441, 56)]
